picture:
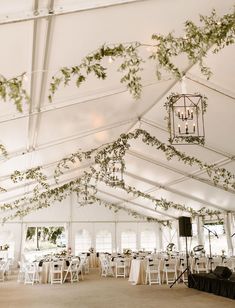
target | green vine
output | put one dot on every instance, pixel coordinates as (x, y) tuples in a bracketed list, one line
[(215, 33), (92, 64), (165, 205), (12, 90), (188, 139), (3, 150), (5, 154), (119, 147), (60, 193), (101, 156)]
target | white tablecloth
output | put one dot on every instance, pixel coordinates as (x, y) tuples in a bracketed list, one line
[(137, 272), (93, 260), (44, 271)]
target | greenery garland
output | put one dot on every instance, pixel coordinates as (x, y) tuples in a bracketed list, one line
[(165, 205), (3, 150), (92, 63), (101, 157), (215, 32), (31, 174), (118, 148), (12, 90), (25, 206)]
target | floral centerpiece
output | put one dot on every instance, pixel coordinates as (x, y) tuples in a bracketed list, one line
[(127, 251), (91, 250), (5, 247)]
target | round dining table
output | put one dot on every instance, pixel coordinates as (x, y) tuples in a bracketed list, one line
[(137, 271)]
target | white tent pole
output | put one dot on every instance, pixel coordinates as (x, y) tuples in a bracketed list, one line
[(23, 233), (138, 243), (69, 226), (232, 217), (115, 234), (178, 236), (200, 231), (227, 227)]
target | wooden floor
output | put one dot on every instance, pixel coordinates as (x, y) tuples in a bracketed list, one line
[(110, 292)]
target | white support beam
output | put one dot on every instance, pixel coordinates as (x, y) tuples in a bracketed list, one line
[(38, 102), (211, 86), (46, 13), (157, 186), (163, 213), (69, 102), (69, 139), (206, 146), (185, 175)]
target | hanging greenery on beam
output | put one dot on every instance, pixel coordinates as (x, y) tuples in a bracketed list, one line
[(118, 148), (45, 199), (3, 150), (39, 200), (166, 205), (92, 64), (101, 158), (13, 90), (35, 174), (213, 34)]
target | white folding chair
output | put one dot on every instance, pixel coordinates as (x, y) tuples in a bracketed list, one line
[(213, 262), (21, 273), (80, 268), (201, 265), (2, 270), (230, 263), (72, 270), (153, 275), (56, 272), (120, 268), (31, 273), (169, 267), (106, 268), (182, 265), (86, 265)]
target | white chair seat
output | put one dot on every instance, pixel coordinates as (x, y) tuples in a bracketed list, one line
[(56, 272), (153, 275)]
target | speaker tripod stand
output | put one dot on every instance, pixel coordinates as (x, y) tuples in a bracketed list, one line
[(187, 269)]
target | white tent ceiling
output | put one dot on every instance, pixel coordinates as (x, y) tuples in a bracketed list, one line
[(99, 111)]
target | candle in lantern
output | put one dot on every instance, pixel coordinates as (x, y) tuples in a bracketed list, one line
[(182, 115), (188, 111), (179, 128), (178, 113), (186, 128), (191, 113), (194, 127)]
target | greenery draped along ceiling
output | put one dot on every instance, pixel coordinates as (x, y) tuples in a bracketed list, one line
[(214, 33)]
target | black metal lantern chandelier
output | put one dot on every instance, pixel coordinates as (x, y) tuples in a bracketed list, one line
[(186, 118), (114, 171), (85, 193)]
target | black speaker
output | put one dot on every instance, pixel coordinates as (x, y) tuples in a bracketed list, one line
[(185, 226), (222, 272)]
